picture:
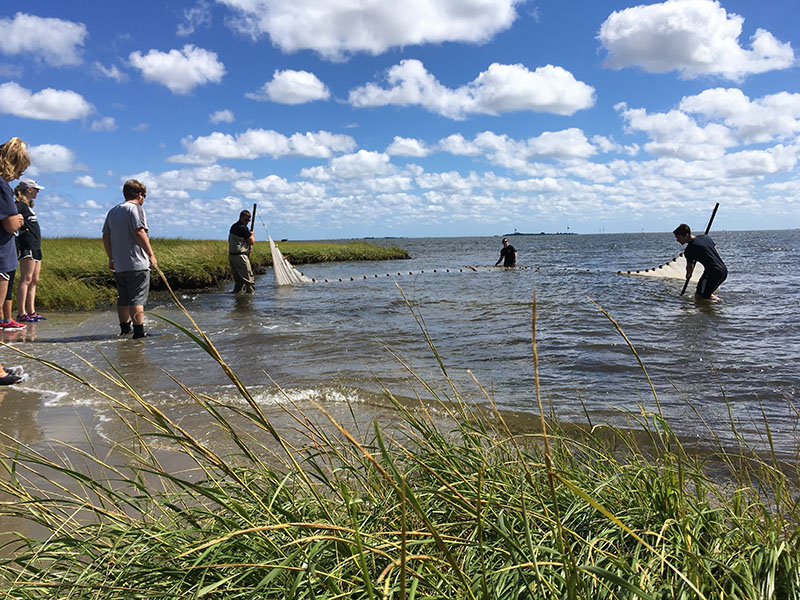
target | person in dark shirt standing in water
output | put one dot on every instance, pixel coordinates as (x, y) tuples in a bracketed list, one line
[(703, 250), (508, 255), (240, 241)]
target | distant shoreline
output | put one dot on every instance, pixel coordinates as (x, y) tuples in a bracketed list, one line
[(540, 233)]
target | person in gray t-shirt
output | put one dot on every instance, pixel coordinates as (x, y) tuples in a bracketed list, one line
[(130, 256)]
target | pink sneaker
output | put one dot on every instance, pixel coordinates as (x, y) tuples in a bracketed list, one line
[(11, 324)]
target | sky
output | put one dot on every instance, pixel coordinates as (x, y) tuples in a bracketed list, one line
[(410, 118)]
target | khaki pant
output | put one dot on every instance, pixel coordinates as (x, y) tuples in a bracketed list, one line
[(243, 277)]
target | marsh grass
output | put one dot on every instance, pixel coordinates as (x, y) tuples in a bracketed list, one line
[(75, 271), (466, 510)]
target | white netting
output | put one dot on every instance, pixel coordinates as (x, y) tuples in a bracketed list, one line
[(674, 269), (285, 273)]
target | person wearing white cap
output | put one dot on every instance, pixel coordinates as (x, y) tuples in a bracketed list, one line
[(29, 251)]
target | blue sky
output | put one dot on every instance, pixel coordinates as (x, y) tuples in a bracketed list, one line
[(345, 118)]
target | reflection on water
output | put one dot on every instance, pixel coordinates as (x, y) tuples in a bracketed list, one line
[(18, 411), (708, 361)]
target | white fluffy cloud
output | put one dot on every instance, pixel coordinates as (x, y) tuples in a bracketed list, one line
[(255, 143), (50, 158), (48, 104), (222, 116), (55, 41), (174, 183), (361, 164), (292, 87), (676, 134), (103, 124), (407, 147), (273, 185), (336, 28), (112, 72), (88, 181), (179, 70), (567, 144), (694, 37), (499, 89), (754, 121), (194, 18)]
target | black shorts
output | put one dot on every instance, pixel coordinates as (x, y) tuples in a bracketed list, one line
[(10, 276), (710, 281), (34, 253)]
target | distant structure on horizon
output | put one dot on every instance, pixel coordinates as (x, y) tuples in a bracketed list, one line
[(540, 233)]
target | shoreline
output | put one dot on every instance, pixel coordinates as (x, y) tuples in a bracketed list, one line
[(75, 274)]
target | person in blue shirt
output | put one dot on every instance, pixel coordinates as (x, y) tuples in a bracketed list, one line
[(13, 162), (701, 249)]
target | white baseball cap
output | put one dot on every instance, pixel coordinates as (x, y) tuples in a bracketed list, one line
[(30, 183)]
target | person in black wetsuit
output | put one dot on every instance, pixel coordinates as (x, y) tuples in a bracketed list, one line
[(702, 249), (240, 241), (508, 255)]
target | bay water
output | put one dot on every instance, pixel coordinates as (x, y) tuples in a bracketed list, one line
[(338, 342)]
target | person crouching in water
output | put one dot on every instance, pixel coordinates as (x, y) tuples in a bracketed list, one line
[(29, 252), (702, 249), (13, 162)]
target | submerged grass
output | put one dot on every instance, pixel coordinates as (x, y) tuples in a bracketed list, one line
[(465, 510), (75, 272)]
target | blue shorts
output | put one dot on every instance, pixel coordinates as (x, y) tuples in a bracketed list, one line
[(132, 287)]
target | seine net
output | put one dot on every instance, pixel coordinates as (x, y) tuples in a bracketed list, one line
[(674, 269), (285, 273)]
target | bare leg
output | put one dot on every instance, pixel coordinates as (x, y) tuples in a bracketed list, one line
[(3, 292), (124, 313), (137, 314), (30, 305), (26, 267)]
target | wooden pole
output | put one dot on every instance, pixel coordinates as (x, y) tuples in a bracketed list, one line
[(708, 228)]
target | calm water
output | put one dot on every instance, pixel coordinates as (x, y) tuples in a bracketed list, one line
[(328, 340)]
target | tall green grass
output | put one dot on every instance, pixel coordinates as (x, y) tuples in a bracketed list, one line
[(435, 507), (75, 271)]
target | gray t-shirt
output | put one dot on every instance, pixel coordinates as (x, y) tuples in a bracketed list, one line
[(121, 224)]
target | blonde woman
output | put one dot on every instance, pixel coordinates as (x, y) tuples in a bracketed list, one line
[(13, 162), (29, 252)]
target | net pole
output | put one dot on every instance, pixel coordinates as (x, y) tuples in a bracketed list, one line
[(708, 228)]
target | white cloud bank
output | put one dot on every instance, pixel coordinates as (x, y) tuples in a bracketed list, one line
[(255, 143), (292, 87), (179, 70), (499, 89), (48, 104), (54, 41), (693, 37), (50, 158), (88, 181), (336, 28)]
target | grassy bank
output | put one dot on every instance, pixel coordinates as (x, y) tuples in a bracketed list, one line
[(75, 271), (465, 510)]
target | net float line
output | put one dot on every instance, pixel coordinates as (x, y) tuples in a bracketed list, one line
[(466, 268)]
